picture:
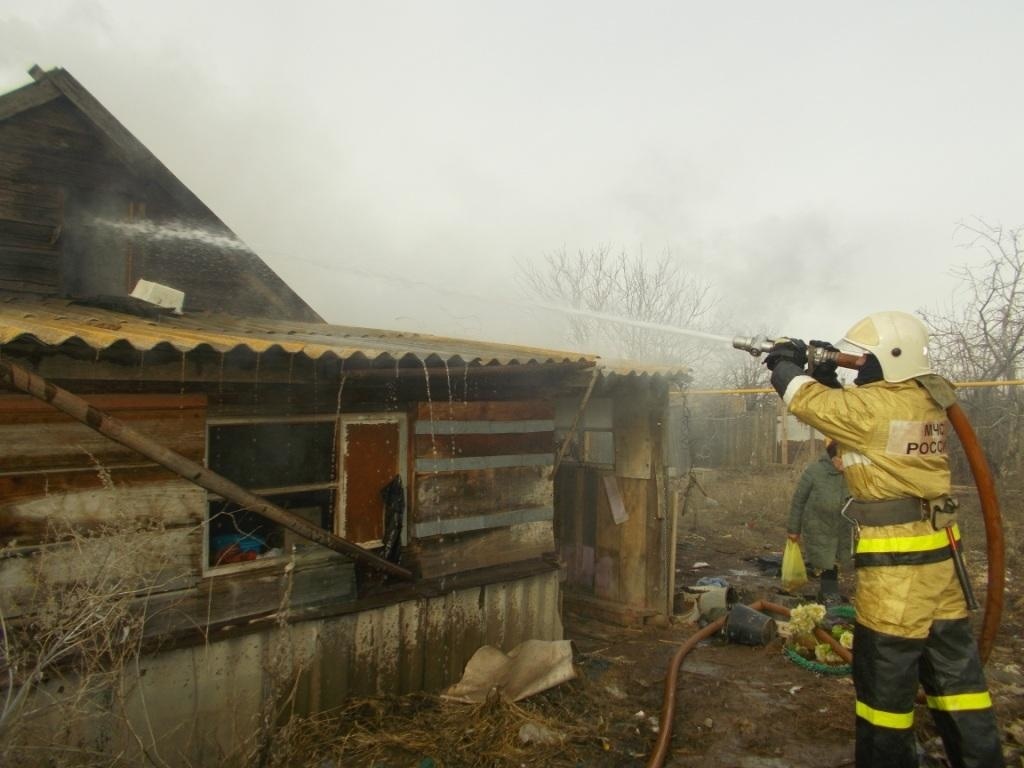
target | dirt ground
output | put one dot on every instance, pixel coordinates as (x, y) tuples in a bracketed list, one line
[(737, 706), (751, 707)]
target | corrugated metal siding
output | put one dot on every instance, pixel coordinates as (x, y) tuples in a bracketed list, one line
[(216, 692)]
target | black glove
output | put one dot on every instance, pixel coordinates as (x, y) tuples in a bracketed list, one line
[(793, 350), (825, 373)]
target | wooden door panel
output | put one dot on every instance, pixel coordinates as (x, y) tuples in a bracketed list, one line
[(371, 461)]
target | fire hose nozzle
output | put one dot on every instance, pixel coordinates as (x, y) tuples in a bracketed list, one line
[(759, 345), (755, 345)]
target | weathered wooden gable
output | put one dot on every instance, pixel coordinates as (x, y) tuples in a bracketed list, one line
[(86, 211)]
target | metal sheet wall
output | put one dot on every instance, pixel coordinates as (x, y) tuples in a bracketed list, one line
[(205, 702)]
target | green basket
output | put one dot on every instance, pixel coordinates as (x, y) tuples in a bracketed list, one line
[(843, 611), (836, 670)]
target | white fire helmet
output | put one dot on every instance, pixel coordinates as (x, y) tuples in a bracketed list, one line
[(897, 339)]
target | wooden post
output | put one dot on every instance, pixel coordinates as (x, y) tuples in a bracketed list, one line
[(116, 430)]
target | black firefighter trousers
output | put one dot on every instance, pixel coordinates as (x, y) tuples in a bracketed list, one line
[(886, 672)]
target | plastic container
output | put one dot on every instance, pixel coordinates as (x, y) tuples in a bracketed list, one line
[(713, 602), (749, 627)]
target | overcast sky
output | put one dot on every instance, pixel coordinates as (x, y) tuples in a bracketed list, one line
[(393, 161)]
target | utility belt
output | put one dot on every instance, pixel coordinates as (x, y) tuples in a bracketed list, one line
[(918, 549), (940, 512)]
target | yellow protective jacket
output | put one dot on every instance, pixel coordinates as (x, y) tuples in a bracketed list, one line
[(893, 439)]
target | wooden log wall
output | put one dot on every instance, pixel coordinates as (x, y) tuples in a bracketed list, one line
[(481, 494), (69, 495), (31, 221), (75, 505), (51, 465), (483, 491)]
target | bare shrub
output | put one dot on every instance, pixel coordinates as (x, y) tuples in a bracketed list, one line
[(71, 639)]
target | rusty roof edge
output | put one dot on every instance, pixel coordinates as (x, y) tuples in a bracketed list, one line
[(58, 321), (612, 368)]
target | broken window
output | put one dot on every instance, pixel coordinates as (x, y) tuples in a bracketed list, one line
[(290, 462), (328, 470)]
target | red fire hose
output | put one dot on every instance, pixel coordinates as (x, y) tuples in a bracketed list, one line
[(668, 709)]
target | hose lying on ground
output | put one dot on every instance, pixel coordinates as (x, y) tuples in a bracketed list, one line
[(668, 709)]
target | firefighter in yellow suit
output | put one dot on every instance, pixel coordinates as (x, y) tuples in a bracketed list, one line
[(912, 622)]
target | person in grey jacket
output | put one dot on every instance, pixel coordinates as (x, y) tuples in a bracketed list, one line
[(815, 522)]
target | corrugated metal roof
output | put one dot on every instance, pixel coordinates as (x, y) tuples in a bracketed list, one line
[(56, 321), (612, 368)]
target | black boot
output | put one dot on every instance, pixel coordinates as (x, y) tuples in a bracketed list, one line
[(828, 591)]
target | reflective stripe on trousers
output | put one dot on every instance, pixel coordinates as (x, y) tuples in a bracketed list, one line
[(886, 672)]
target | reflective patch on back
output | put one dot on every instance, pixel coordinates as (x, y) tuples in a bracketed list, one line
[(917, 438), (852, 458)]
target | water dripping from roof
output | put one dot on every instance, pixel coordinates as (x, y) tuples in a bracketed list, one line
[(289, 396), (430, 410), (256, 380), (451, 428), (433, 458), (336, 442)]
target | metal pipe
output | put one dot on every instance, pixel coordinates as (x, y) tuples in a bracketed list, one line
[(118, 431)]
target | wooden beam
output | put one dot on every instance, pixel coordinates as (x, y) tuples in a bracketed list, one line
[(27, 97), (575, 422)]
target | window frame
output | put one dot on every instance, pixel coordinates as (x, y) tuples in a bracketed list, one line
[(337, 486), (228, 569)]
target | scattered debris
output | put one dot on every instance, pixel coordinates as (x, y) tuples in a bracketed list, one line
[(529, 668), (534, 733)]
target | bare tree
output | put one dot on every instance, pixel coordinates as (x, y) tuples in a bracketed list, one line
[(979, 336), (643, 293)]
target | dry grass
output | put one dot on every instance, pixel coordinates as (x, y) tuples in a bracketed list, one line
[(71, 643), (406, 730)]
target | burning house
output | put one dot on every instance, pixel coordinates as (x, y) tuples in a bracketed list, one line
[(385, 502)]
